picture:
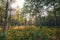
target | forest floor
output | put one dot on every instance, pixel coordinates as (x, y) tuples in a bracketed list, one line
[(31, 33)]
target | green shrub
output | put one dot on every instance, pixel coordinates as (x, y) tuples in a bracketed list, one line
[(2, 36)]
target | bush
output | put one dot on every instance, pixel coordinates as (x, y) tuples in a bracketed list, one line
[(2, 36)]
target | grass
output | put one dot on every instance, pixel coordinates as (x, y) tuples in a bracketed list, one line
[(31, 33)]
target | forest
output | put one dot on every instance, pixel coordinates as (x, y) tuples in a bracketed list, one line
[(35, 20)]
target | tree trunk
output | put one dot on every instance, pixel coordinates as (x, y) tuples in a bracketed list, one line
[(5, 16)]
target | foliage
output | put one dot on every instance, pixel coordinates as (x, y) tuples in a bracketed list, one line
[(2, 36), (37, 8), (32, 33)]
